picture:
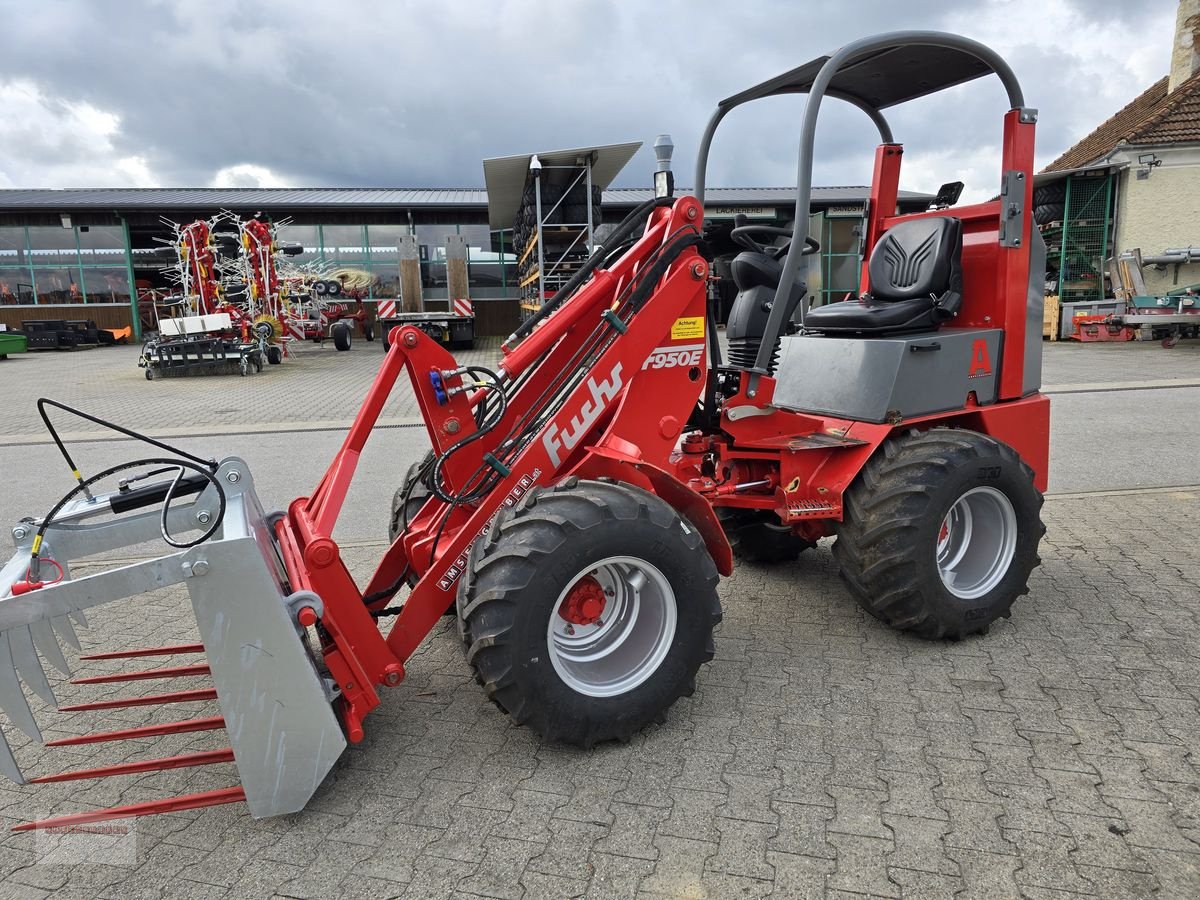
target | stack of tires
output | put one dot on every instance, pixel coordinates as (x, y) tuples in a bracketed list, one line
[(1050, 203), (564, 210)]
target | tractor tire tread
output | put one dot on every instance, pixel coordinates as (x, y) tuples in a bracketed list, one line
[(501, 567), (883, 514)]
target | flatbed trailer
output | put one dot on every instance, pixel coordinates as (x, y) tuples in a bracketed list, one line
[(453, 330)]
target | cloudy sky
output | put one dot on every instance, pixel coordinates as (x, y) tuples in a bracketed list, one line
[(412, 93)]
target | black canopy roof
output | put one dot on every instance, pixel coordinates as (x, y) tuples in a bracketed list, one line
[(878, 78)]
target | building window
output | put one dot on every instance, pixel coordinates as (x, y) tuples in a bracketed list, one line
[(304, 235), (102, 245), (44, 265), (431, 241), (344, 244), (841, 264), (57, 285), (15, 287), (385, 279), (13, 249), (53, 246), (106, 284)]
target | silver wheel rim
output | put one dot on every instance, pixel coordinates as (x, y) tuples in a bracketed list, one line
[(976, 543), (629, 639)]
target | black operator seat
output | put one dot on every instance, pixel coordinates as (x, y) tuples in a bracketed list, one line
[(916, 283), (756, 276)]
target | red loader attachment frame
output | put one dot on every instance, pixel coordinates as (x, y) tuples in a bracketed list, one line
[(574, 510)]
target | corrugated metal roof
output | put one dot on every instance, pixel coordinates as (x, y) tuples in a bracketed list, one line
[(270, 198), (70, 199)]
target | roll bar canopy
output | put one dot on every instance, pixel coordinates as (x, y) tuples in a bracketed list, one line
[(872, 73)]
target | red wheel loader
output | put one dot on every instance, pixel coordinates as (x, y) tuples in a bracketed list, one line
[(574, 510)]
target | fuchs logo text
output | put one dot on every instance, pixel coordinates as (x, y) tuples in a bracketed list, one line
[(557, 439)]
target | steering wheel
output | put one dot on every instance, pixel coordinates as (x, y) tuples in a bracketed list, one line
[(741, 236)]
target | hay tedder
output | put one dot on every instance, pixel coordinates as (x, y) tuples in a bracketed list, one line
[(287, 302), (200, 326), (580, 501)]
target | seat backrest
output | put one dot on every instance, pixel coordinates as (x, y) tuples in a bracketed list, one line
[(752, 269), (917, 258)]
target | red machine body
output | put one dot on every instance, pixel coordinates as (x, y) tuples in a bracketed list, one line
[(627, 419), (610, 423)]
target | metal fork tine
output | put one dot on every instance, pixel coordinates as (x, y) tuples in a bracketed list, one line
[(47, 644), (8, 765), (12, 698), (20, 642), (62, 625), (169, 672), (80, 618), (152, 807)]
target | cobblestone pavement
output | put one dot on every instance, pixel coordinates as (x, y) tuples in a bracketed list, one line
[(318, 385), (322, 387), (822, 754)]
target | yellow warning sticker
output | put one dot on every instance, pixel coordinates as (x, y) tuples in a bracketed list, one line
[(691, 327)]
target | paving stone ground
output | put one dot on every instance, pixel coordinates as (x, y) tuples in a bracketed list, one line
[(107, 382), (822, 754), (321, 386)]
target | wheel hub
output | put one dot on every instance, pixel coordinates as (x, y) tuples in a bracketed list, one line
[(976, 543), (612, 626), (584, 604)]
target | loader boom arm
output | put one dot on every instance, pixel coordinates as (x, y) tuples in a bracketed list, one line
[(609, 379)]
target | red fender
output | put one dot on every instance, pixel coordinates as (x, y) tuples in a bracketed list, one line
[(605, 461)]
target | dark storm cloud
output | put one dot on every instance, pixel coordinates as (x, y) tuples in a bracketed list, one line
[(417, 93)]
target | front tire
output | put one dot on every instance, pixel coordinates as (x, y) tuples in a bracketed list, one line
[(409, 498), (940, 532), (588, 609)]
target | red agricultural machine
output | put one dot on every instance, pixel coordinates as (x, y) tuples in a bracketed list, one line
[(197, 267), (573, 511), (200, 325), (293, 306)]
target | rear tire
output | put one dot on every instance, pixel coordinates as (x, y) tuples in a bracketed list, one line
[(758, 535), (941, 532), (341, 336), (604, 680)]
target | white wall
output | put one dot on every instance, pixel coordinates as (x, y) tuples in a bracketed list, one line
[(1161, 210)]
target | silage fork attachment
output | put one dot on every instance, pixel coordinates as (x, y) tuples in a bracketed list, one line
[(274, 704)]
